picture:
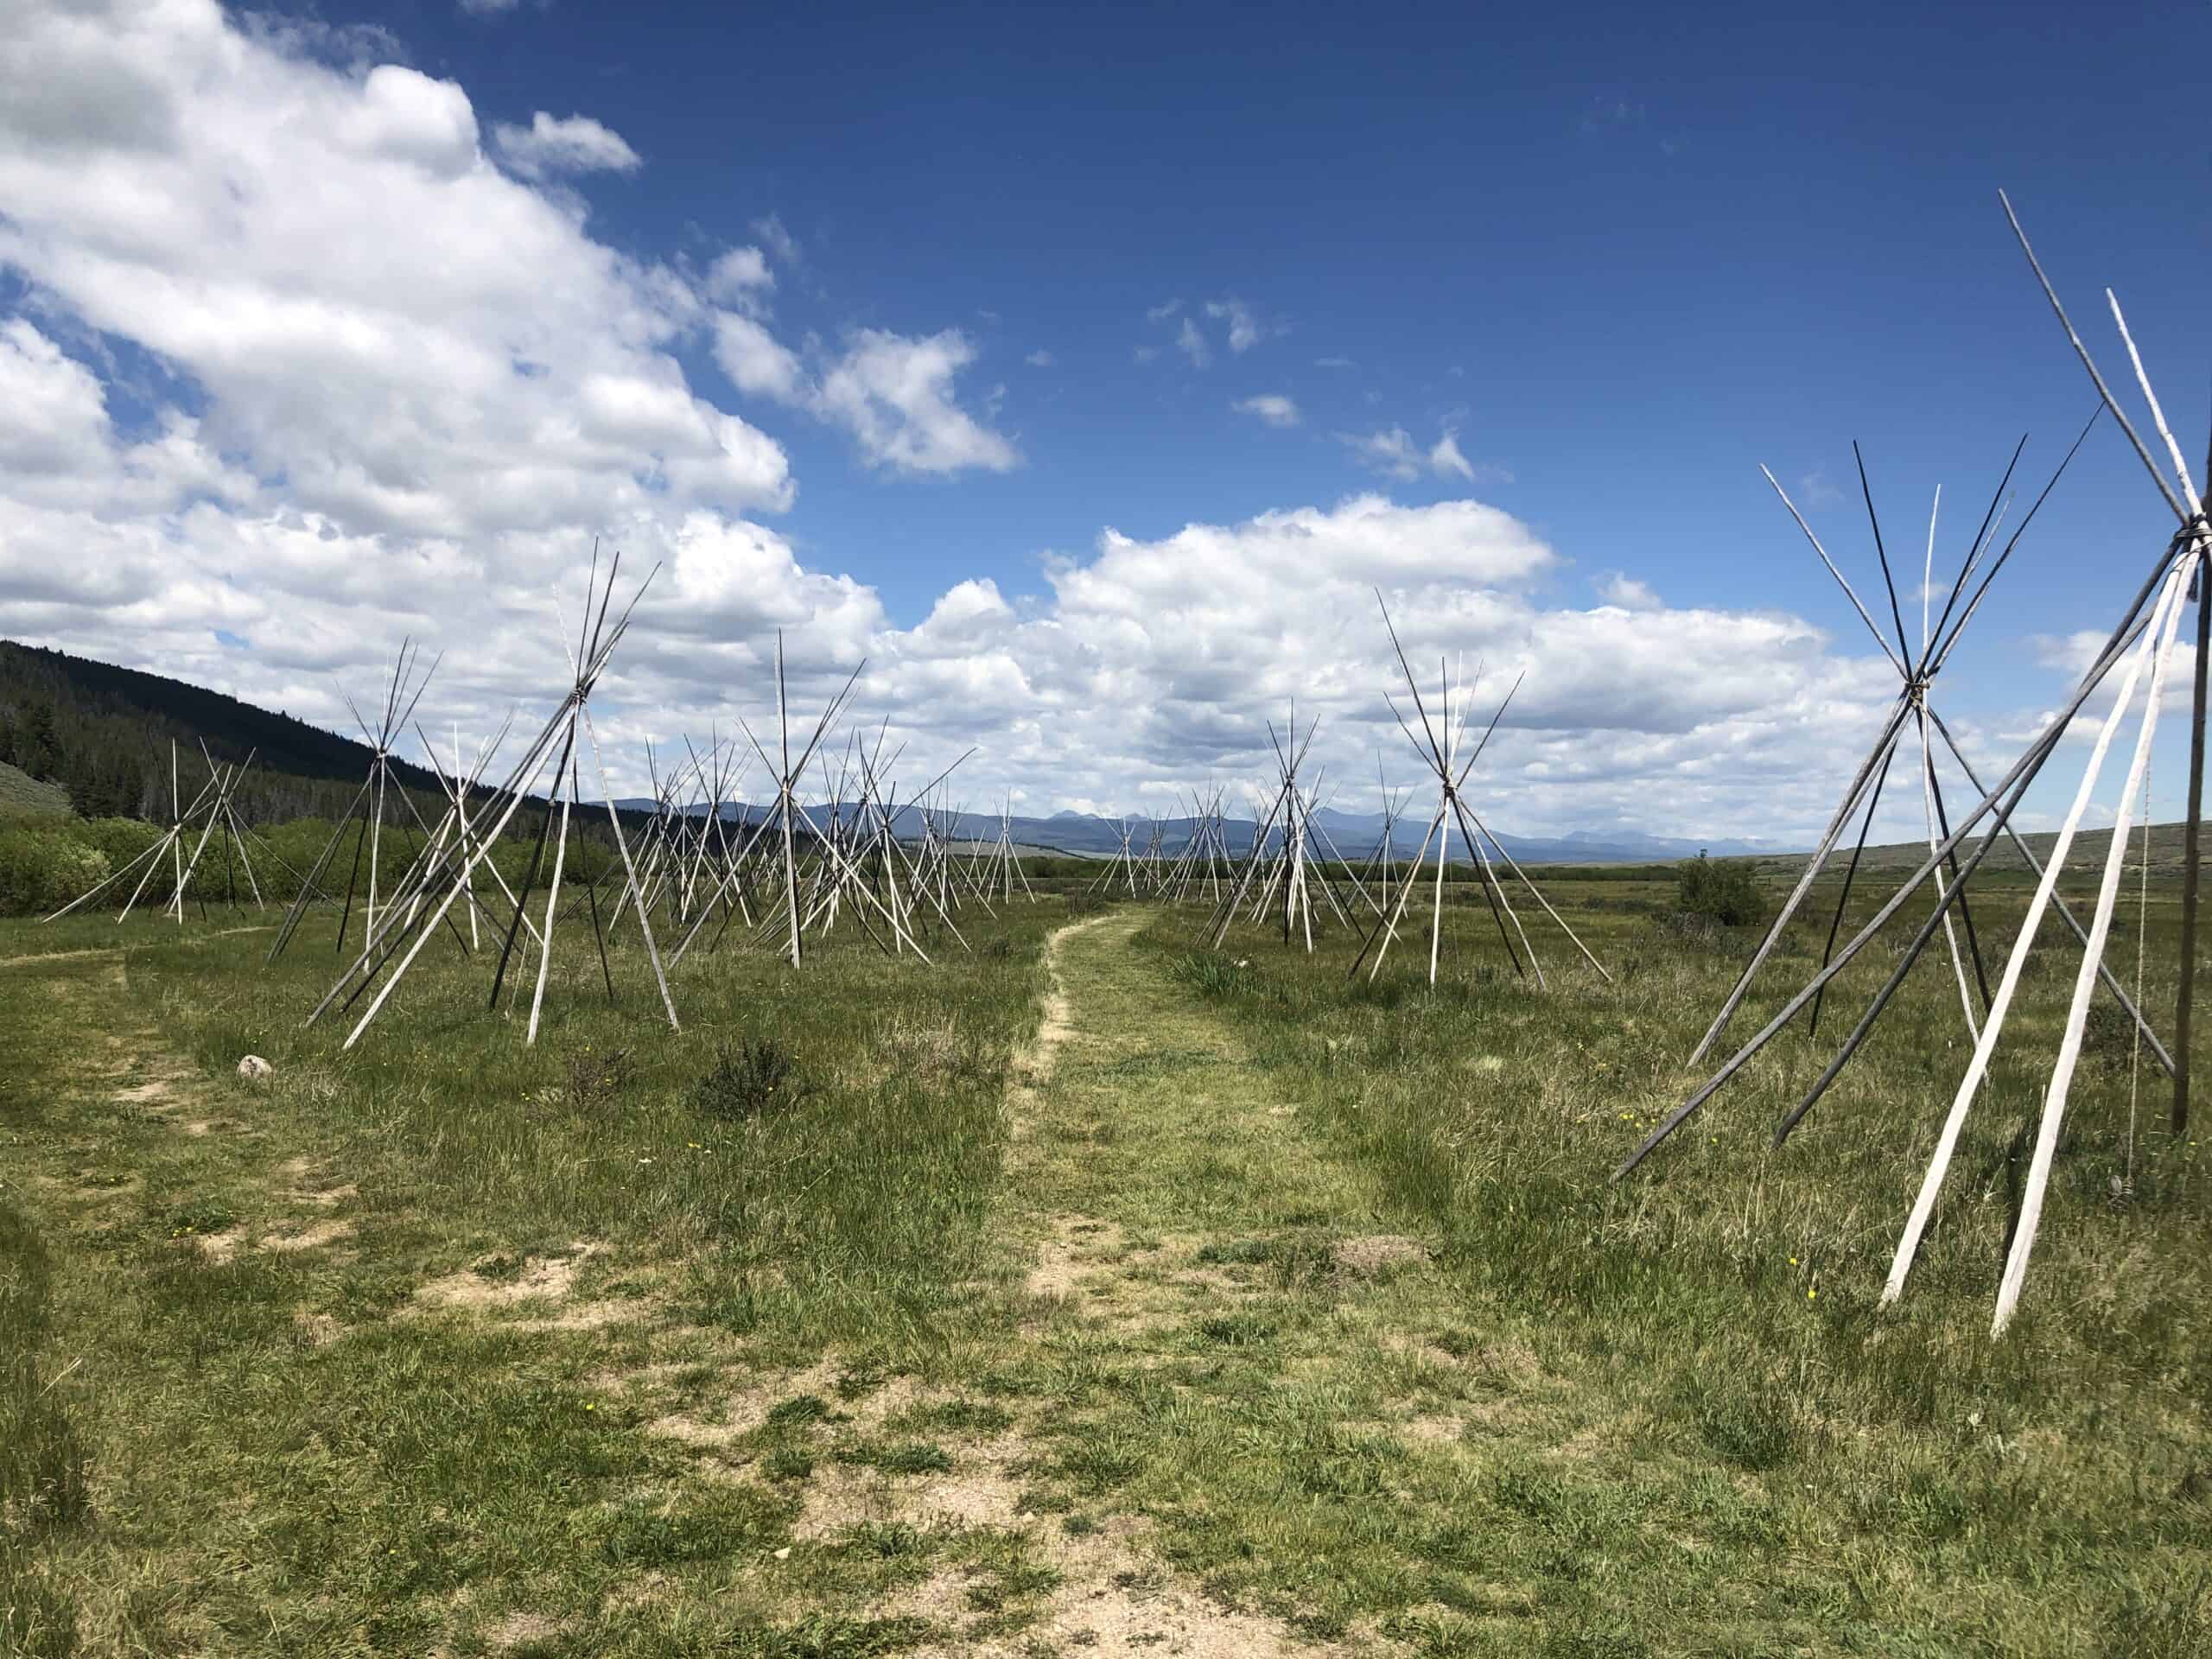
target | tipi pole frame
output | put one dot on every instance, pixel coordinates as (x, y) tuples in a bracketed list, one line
[(2002, 799)]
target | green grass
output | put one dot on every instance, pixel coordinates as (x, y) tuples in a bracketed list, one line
[(289, 1449), (1889, 1480), (1287, 1305)]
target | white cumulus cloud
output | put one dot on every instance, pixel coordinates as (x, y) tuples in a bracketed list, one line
[(576, 143), (382, 385), (894, 394)]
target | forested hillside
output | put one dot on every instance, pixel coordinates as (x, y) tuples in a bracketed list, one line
[(103, 733)]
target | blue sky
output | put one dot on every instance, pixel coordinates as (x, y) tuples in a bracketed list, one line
[(1188, 268), (1628, 259)]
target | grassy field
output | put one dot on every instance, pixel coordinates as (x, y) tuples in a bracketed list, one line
[(1090, 1294)]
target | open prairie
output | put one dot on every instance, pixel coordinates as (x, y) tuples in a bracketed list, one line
[(1090, 1292)]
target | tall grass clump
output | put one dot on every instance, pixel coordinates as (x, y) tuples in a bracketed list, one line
[(42, 1475), (1210, 974)]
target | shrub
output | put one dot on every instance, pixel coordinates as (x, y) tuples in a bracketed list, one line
[(593, 1079), (120, 839), (43, 868), (746, 1079), (1722, 891)]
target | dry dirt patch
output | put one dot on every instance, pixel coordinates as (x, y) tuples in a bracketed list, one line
[(307, 1238), (309, 1186), (216, 1248), (548, 1278), (1376, 1251), (1077, 1247), (746, 1407), (1115, 1599), (516, 1629)]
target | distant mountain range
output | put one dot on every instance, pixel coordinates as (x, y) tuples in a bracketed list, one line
[(1355, 835)]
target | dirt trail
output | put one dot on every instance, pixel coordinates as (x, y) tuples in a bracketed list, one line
[(1144, 1159), (1032, 1067)]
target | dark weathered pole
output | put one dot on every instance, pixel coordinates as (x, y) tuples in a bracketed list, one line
[(1965, 910), (1821, 850), (1850, 875), (1881, 552), (292, 916), (345, 915), (1482, 876), (2183, 1006), (537, 858), (591, 892)]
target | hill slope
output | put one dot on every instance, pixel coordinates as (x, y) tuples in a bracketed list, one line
[(1895, 862), (24, 796), (102, 733)]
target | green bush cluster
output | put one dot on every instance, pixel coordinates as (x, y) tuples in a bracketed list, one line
[(46, 862), (1723, 891), (44, 866)]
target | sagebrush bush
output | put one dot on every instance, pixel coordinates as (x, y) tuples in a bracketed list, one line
[(594, 1078), (748, 1078), (1721, 890)]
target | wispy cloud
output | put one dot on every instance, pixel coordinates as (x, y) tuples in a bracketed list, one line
[(1193, 344), (1814, 490), (1609, 115), (741, 277), (779, 241), (1243, 327), (1040, 359), (1444, 457), (1392, 452), (1272, 407)]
